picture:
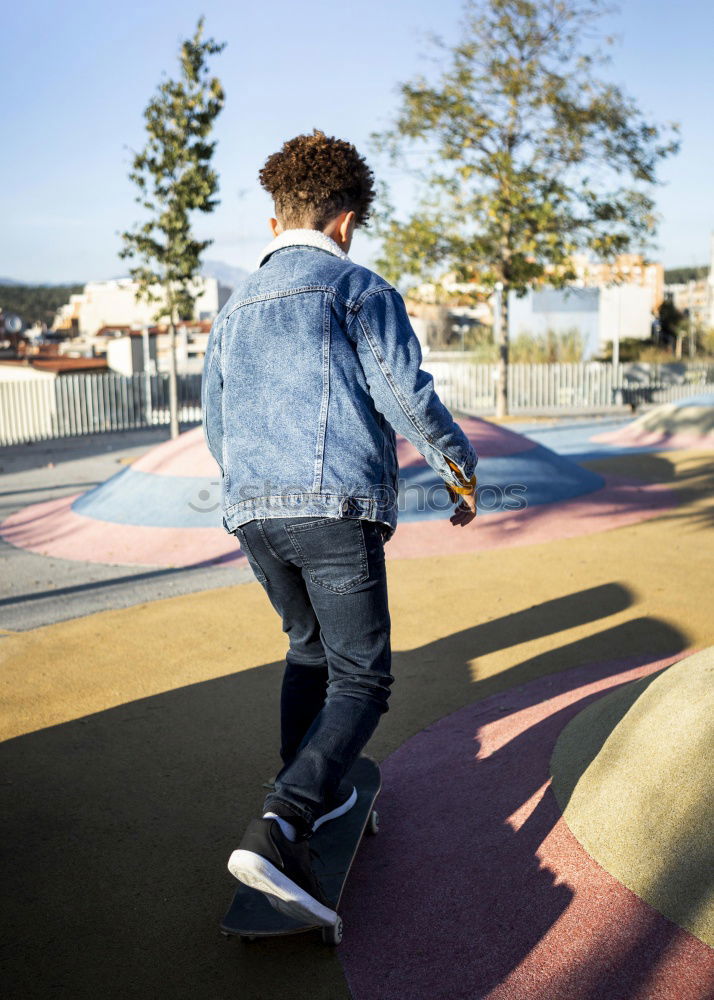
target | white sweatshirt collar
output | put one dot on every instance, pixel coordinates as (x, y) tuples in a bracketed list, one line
[(302, 237)]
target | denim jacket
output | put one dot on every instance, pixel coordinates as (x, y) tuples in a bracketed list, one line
[(311, 367)]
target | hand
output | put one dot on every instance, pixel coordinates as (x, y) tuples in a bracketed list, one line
[(466, 509)]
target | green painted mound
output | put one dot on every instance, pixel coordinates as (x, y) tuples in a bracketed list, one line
[(633, 774)]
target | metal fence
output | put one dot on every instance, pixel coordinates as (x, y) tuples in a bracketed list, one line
[(40, 408), (470, 387), (70, 405)]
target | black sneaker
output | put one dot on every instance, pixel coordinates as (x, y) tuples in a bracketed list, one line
[(343, 801), (280, 868)]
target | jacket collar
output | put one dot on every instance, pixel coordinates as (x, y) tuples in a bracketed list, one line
[(305, 238)]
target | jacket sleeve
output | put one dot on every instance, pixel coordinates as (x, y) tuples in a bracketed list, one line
[(391, 357), (212, 394)]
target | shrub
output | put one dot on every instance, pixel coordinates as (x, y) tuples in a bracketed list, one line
[(563, 346)]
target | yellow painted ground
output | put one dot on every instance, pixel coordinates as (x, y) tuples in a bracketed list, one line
[(150, 729), (463, 626), (634, 776)]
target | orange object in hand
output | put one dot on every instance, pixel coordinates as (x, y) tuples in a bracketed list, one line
[(464, 496), (466, 486)]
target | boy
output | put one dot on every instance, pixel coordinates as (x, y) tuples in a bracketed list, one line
[(311, 366)]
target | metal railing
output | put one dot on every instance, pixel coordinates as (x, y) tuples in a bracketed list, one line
[(35, 409), (71, 405), (470, 387)]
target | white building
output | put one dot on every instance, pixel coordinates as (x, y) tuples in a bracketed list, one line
[(600, 315), (126, 353), (116, 303)]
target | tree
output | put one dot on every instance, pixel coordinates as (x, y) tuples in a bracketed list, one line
[(529, 156), (671, 321), (36, 303), (681, 275), (174, 178)]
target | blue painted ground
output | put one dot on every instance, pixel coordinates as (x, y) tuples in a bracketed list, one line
[(143, 498), (572, 438), (533, 477), (705, 399), (545, 474)]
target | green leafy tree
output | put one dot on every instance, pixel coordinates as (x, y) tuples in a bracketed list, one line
[(35, 303), (677, 275), (527, 156), (671, 321), (174, 176)]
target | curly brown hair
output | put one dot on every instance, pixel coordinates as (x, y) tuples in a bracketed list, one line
[(315, 177)]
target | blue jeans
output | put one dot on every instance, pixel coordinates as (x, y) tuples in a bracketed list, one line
[(326, 578)]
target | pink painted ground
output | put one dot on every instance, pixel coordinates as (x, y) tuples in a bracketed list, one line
[(618, 503), (489, 440), (52, 528), (475, 888), (641, 439), (186, 455)]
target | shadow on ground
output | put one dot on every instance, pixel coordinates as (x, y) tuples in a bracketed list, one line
[(120, 823), (472, 884), (693, 477)]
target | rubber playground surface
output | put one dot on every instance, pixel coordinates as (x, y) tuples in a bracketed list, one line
[(546, 812)]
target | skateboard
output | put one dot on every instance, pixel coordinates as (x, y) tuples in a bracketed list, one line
[(335, 844)]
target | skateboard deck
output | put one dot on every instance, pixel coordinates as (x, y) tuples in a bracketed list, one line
[(335, 844)]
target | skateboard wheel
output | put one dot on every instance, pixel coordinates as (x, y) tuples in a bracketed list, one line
[(333, 933), (373, 823), (247, 937)]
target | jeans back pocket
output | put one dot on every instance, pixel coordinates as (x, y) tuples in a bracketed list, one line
[(332, 550)]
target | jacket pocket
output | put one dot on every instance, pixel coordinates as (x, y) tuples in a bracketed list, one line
[(332, 551)]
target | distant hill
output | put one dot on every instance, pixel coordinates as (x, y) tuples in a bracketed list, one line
[(218, 269), (41, 284), (34, 303), (226, 274), (39, 302)]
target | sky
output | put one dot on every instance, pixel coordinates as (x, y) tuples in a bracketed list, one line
[(77, 76)]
